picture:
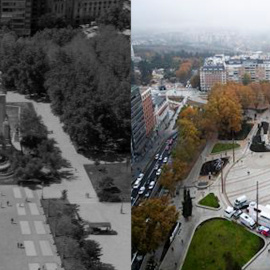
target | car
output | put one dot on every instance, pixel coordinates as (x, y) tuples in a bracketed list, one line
[(229, 212), (140, 177), (147, 194), (151, 185), (156, 167), (160, 157), (237, 214), (263, 230), (137, 184), (165, 160), (157, 156), (167, 147), (158, 172), (141, 191)]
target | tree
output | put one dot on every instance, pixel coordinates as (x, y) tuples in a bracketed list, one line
[(195, 81), (246, 79), (146, 72), (152, 220), (167, 180), (50, 20)]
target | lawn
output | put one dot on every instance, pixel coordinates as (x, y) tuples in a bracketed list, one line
[(210, 200), (219, 147), (119, 172), (219, 244)]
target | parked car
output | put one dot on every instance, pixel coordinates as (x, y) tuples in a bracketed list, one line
[(167, 147), (237, 214), (157, 156), (141, 191), (229, 211), (147, 194), (263, 230), (241, 202), (137, 184), (158, 172), (156, 166), (152, 184), (160, 157), (140, 177), (165, 160), (247, 221)]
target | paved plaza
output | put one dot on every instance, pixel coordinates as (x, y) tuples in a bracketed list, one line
[(23, 223)]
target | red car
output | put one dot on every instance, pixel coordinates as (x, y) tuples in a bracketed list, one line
[(263, 230)]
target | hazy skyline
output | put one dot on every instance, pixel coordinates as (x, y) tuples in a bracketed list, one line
[(243, 15)]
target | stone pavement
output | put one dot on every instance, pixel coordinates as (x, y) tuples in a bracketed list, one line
[(113, 247), (24, 222)]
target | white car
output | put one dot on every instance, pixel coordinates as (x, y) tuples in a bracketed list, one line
[(160, 157), (141, 191), (156, 167), (157, 156), (158, 172), (140, 177), (137, 184), (165, 160), (147, 194), (152, 184)]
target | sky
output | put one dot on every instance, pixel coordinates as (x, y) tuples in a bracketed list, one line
[(239, 15)]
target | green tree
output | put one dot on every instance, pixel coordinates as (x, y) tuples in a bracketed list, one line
[(246, 79)]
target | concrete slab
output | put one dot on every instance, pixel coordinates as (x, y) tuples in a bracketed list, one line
[(45, 248), (17, 193), (33, 209), (29, 193), (39, 227), (34, 266), (20, 209), (51, 266), (25, 228), (30, 249)]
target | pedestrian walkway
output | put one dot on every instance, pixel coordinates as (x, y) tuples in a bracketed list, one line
[(78, 184), (26, 241)]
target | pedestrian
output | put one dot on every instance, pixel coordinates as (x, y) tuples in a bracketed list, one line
[(248, 172), (12, 220), (7, 203), (182, 241), (172, 249), (18, 245)]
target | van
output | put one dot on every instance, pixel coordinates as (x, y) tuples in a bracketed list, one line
[(247, 221), (241, 202), (229, 211)]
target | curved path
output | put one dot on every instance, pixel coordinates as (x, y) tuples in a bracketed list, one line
[(113, 247)]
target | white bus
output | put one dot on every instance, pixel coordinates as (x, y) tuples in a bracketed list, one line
[(263, 213)]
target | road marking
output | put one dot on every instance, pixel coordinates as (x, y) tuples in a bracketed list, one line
[(33, 208), (45, 248), (20, 209), (17, 193), (30, 249), (25, 228), (34, 266), (51, 266), (29, 193), (39, 226)]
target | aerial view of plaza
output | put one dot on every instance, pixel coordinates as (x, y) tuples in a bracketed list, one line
[(200, 137), (65, 135)]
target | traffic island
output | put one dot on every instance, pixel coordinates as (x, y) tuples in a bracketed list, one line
[(210, 201), (221, 244)]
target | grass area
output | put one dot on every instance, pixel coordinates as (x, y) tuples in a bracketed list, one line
[(219, 147), (210, 200), (241, 135), (119, 172), (220, 244)]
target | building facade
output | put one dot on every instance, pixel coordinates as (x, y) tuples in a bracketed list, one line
[(221, 69), (17, 14), (148, 110), (161, 111), (138, 130)]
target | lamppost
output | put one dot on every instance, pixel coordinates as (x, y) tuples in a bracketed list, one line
[(222, 180), (233, 146)]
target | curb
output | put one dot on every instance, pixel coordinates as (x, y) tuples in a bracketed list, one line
[(208, 207)]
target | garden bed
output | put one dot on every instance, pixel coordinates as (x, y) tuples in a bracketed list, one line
[(210, 200), (220, 147)]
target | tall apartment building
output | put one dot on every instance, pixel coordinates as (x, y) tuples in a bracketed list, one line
[(16, 14), (148, 110), (138, 130), (213, 72)]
